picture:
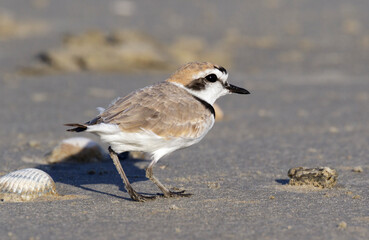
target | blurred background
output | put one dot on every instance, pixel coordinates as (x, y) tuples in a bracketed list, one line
[(295, 36)]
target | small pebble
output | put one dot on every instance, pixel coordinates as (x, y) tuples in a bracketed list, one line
[(357, 169), (333, 130), (342, 225), (173, 207), (34, 143), (356, 197), (213, 185)]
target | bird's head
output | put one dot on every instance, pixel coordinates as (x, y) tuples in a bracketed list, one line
[(205, 81)]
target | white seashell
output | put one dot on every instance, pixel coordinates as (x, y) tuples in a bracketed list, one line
[(26, 184), (77, 149)]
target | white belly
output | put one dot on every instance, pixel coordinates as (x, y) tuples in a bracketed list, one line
[(145, 141)]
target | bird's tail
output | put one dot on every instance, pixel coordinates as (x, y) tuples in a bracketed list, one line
[(77, 127)]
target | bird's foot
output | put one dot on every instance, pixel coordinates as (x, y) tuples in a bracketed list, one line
[(171, 194), (138, 197), (142, 198)]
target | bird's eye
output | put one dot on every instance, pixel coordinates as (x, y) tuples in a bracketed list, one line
[(211, 77)]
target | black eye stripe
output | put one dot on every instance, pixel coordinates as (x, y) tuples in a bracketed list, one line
[(198, 84)]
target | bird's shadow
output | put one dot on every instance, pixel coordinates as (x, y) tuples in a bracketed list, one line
[(83, 174), (282, 181)]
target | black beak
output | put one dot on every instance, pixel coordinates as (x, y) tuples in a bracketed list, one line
[(235, 89)]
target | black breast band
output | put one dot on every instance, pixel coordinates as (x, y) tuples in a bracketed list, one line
[(206, 105)]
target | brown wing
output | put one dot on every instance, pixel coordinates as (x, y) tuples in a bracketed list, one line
[(164, 109)]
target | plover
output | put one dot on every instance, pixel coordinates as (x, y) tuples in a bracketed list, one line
[(162, 118)]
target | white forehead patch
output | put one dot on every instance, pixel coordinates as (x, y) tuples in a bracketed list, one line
[(222, 76)]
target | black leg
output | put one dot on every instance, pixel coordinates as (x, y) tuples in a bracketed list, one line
[(167, 193), (134, 195)]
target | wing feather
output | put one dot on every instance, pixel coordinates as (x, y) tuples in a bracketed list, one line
[(164, 109)]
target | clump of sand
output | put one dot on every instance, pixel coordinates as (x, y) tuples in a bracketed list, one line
[(320, 177), (77, 149), (125, 51)]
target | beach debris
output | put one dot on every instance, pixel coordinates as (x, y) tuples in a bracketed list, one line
[(26, 185), (320, 177), (125, 51), (121, 51), (77, 149)]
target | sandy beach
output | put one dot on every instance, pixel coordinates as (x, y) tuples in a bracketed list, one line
[(305, 64)]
